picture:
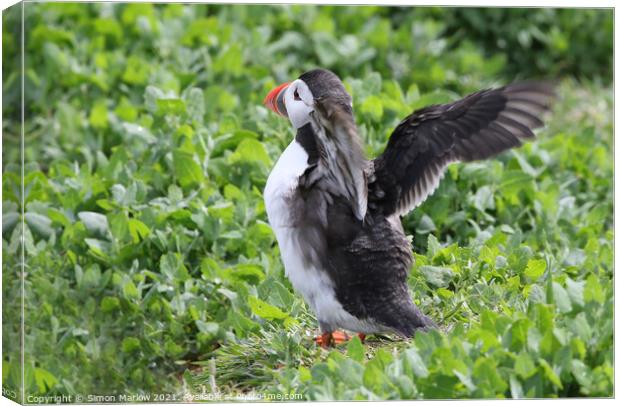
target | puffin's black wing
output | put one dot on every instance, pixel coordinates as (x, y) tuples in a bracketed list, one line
[(478, 126)]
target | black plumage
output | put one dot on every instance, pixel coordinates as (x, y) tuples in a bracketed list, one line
[(305, 136), (368, 265)]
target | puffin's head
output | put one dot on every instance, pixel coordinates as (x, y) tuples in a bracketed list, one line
[(296, 100)]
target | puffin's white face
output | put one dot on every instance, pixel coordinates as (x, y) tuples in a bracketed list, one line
[(293, 100), (299, 103)]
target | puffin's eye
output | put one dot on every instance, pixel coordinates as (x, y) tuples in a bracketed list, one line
[(296, 95)]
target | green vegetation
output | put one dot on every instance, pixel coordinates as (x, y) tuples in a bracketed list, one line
[(546, 42), (149, 263)]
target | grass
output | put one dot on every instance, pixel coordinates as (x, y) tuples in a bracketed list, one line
[(150, 264)]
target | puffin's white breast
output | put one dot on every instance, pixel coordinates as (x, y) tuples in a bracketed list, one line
[(311, 281), (282, 183), (279, 192)]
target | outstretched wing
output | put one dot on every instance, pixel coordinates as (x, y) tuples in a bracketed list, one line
[(478, 126)]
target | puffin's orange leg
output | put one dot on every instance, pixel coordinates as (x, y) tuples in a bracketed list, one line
[(362, 337), (328, 339), (340, 337), (324, 340)]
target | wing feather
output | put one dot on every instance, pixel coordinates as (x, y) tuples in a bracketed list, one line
[(478, 126)]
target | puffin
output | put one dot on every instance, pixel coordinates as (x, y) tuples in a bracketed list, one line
[(336, 215)]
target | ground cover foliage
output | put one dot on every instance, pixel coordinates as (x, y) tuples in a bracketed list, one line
[(150, 267)]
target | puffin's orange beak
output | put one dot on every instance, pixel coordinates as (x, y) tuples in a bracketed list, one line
[(275, 99)]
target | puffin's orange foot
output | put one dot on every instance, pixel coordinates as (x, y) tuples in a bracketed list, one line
[(340, 337), (362, 337), (328, 339), (324, 340)]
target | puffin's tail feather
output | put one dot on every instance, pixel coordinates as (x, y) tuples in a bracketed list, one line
[(415, 321)]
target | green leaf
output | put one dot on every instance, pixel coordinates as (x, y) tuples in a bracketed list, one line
[(519, 331), (130, 291), (96, 223), (355, 349), (173, 267), (9, 220), (203, 30), (125, 110), (486, 372), (304, 374), (484, 198), (119, 225), (465, 380), (139, 132), (582, 327), (445, 293), (100, 248), (6, 369), (374, 377), (575, 291), (138, 230), (265, 310), (516, 389), (250, 150), (550, 373), (561, 298), (195, 104), (513, 181), (426, 225), (544, 319), (136, 71), (593, 291), (230, 60), (524, 365), (38, 223), (433, 245), (171, 106), (230, 141), (186, 170), (130, 344), (209, 328), (99, 115), (582, 373), (92, 277), (535, 269), (372, 107), (44, 380), (109, 304), (57, 217), (416, 363), (251, 273), (436, 275), (152, 94), (134, 11)]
